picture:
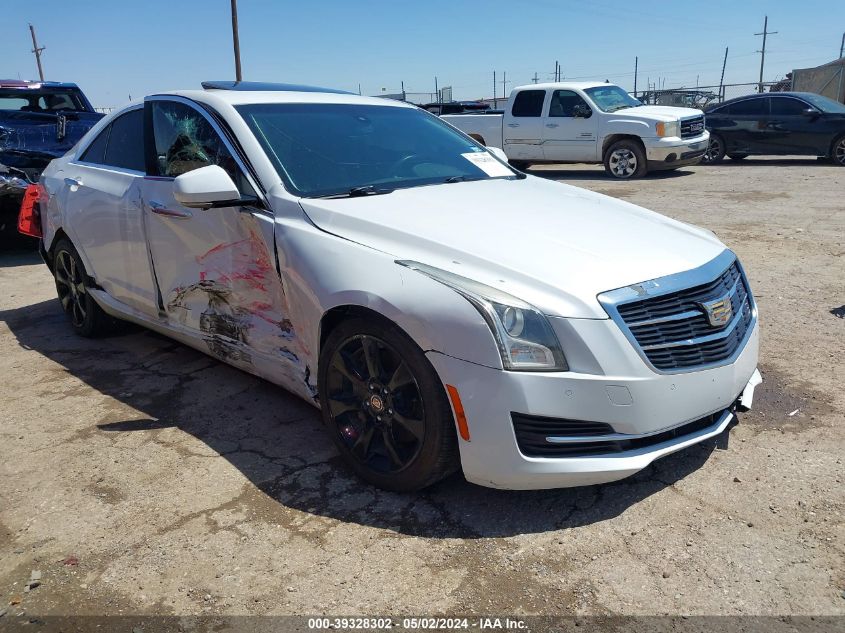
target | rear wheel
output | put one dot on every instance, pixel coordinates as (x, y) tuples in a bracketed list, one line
[(385, 407), (86, 317), (715, 152), (837, 151), (625, 159)]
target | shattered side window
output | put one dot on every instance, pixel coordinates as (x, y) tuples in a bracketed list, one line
[(185, 140)]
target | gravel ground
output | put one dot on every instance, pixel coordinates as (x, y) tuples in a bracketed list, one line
[(141, 477)]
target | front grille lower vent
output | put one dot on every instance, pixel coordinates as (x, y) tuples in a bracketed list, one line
[(598, 438)]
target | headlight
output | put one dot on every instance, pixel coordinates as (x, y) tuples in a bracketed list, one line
[(523, 334), (672, 128)]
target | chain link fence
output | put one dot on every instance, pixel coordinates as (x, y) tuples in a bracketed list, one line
[(703, 96)]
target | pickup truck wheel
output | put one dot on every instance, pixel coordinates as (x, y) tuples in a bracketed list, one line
[(625, 159), (384, 406), (715, 151), (86, 317)]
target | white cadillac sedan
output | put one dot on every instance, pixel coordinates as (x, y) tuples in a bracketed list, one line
[(442, 309)]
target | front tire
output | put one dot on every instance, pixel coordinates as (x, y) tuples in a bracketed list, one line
[(86, 317), (837, 151), (625, 159), (715, 152), (385, 407)]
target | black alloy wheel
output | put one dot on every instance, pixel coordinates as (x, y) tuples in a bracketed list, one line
[(86, 317), (715, 151), (385, 408)]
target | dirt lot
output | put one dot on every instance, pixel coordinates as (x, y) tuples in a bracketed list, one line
[(141, 477)]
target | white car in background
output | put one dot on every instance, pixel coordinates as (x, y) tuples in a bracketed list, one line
[(442, 309)]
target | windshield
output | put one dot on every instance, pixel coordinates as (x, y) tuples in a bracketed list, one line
[(40, 100), (824, 104), (610, 98), (325, 149)]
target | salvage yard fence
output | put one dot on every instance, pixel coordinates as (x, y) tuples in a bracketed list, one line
[(703, 96)]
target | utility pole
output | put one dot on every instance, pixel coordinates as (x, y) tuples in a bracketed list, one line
[(722, 80), (436, 90), (236, 43), (636, 63), (37, 50), (535, 79), (842, 46), (765, 32), (403, 90), (505, 83), (495, 102)]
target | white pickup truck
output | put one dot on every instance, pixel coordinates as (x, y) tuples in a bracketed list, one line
[(589, 122)]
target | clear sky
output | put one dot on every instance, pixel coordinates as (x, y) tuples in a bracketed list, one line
[(115, 48)]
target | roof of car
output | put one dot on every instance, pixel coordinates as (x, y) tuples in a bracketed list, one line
[(581, 85), (24, 84), (244, 97), (263, 86), (800, 95)]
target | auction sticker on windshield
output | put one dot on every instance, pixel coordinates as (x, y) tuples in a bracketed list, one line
[(488, 164)]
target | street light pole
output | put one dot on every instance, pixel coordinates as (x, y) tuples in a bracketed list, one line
[(236, 41)]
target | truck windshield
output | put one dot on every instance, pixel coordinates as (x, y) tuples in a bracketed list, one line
[(610, 98), (336, 149), (27, 100)]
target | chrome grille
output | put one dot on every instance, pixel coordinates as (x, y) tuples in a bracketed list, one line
[(692, 127), (673, 330)]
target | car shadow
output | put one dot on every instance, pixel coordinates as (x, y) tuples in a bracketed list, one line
[(278, 443), (572, 174), (761, 161)]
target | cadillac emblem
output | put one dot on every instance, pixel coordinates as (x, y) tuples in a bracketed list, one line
[(719, 312)]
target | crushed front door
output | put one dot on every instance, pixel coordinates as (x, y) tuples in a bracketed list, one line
[(215, 268)]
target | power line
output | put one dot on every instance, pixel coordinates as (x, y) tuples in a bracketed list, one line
[(765, 32)]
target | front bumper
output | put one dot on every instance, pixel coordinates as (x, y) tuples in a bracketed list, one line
[(668, 153), (633, 400)]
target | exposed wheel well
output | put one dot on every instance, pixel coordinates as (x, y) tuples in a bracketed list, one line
[(613, 138), (60, 234), (478, 138), (339, 314)]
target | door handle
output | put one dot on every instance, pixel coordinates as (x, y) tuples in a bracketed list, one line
[(73, 182), (552, 125), (159, 209), (513, 124)]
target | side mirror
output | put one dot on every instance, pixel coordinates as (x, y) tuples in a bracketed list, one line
[(581, 111), (810, 112), (206, 187), (499, 153)]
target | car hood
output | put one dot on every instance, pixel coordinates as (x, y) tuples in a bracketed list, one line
[(550, 244), (657, 113)]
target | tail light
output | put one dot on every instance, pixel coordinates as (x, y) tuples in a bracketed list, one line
[(29, 218)]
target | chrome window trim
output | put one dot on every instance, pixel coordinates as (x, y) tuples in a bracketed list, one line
[(236, 154), (712, 270)]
